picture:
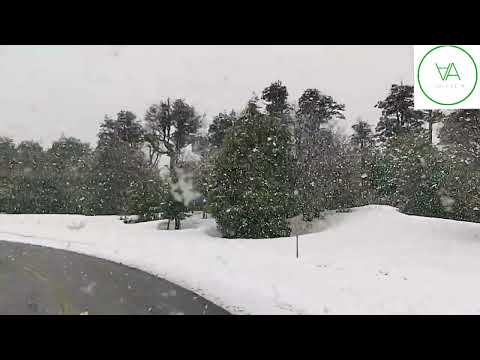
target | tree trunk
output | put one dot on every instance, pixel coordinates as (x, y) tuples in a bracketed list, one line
[(177, 223), (173, 162), (430, 127), (168, 224)]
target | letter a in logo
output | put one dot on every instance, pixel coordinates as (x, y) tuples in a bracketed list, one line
[(448, 71)]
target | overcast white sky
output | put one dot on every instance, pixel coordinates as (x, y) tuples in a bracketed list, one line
[(49, 90)]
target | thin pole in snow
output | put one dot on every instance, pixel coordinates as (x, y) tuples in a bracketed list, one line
[(297, 246)]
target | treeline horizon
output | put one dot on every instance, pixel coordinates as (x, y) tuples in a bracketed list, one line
[(258, 167)]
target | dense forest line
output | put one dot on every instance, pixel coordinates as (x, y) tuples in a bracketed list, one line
[(271, 161)]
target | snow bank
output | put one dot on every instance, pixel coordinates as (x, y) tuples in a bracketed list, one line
[(373, 260)]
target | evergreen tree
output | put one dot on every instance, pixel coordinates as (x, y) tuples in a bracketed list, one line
[(117, 165), (30, 157), (125, 128), (7, 156), (69, 160), (218, 128), (459, 193), (314, 149), (316, 109), (417, 172), (461, 135), (362, 136), (276, 96), (460, 138), (251, 195), (201, 176), (7, 163), (363, 160), (339, 181), (382, 179), (33, 187), (146, 195), (398, 114), (37, 193)]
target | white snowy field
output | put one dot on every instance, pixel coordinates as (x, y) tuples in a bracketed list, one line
[(373, 260)]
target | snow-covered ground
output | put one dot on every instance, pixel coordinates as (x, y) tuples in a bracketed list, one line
[(373, 260)]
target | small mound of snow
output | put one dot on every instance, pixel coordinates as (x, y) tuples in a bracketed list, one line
[(76, 225)]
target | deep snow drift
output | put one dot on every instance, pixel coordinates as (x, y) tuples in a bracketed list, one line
[(373, 260)]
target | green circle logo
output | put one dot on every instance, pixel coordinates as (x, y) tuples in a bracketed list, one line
[(447, 75)]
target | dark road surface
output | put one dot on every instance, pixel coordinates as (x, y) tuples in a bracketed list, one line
[(40, 280)]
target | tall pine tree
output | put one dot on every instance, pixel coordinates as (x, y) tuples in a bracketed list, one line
[(276, 98), (314, 149), (398, 114)]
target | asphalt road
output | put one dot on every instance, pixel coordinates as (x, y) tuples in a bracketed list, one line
[(40, 280)]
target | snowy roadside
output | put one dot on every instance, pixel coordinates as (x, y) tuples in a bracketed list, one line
[(373, 260)]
